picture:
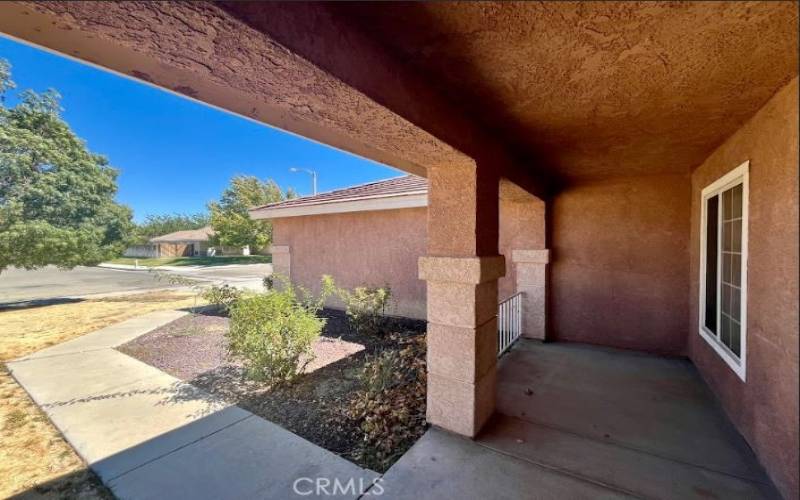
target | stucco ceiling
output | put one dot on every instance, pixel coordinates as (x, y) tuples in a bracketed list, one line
[(597, 89)]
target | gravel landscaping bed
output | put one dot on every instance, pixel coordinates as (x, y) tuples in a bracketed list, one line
[(193, 348)]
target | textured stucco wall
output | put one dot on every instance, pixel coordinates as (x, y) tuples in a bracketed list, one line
[(384, 246), (521, 228), (619, 263), (765, 408), (358, 248)]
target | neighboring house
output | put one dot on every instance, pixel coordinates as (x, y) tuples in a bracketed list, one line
[(188, 243), (374, 234)]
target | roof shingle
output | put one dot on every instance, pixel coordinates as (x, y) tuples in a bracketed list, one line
[(201, 234), (397, 186)]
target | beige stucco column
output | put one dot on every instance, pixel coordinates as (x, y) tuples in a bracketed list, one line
[(281, 261), (531, 274), (461, 271)]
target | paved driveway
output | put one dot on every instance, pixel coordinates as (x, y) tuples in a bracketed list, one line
[(18, 285)]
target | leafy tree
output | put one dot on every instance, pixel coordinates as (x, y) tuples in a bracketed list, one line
[(56, 197), (230, 218), (157, 225)]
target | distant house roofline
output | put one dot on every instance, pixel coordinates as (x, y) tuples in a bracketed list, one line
[(407, 191), (202, 234)]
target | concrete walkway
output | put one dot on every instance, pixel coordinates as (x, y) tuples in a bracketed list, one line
[(149, 435)]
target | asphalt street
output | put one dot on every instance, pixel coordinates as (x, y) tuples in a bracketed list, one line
[(19, 285)]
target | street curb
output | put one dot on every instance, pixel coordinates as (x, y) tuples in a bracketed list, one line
[(127, 267), (123, 267)]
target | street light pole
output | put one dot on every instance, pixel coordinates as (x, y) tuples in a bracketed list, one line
[(313, 176), (313, 182)]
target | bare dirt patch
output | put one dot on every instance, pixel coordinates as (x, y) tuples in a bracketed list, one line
[(314, 406)]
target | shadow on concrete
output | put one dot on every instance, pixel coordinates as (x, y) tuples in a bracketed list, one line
[(229, 454), (175, 393)]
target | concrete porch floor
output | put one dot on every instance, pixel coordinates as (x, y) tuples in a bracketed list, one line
[(577, 421)]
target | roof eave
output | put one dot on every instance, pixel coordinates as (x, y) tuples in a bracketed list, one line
[(387, 202)]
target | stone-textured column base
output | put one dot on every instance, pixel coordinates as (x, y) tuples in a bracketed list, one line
[(458, 406), (462, 340), (531, 280)]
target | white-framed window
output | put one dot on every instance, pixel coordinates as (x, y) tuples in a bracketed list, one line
[(723, 267)]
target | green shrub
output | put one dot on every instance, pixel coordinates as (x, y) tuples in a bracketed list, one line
[(309, 301), (223, 297), (273, 332), (366, 307), (390, 409)]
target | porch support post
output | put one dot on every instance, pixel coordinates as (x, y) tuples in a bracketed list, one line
[(461, 270), (531, 280)]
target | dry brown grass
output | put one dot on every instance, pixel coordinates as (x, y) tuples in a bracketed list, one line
[(34, 458)]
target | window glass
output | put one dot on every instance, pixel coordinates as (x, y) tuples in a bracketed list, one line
[(723, 238), (732, 268), (711, 263)]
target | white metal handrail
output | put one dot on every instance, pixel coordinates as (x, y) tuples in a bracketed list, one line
[(509, 322)]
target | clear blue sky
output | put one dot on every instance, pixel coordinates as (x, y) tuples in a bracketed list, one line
[(173, 154)]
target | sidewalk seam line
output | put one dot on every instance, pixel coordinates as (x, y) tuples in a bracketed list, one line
[(562, 471), (49, 406), (109, 480), (640, 450), (58, 355)]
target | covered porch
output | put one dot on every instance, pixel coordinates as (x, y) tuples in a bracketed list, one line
[(613, 116), (581, 421)]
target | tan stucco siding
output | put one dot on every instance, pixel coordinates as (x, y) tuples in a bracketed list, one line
[(379, 247), (765, 407), (360, 248), (521, 228), (620, 262)]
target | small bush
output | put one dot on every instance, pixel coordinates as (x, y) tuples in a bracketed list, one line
[(391, 407), (309, 301), (366, 307), (273, 333), (223, 297)]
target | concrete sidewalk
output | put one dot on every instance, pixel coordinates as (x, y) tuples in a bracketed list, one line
[(187, 268), (150, 435), (128, 267)]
